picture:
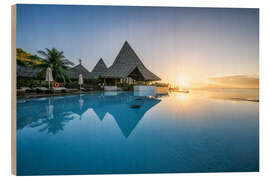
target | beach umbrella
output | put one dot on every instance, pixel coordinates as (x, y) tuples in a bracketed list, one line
[(49, 76), (80, 80)]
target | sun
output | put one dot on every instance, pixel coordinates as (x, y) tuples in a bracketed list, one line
[(183, 82)]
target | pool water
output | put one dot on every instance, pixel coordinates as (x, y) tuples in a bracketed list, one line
[(123, 132)]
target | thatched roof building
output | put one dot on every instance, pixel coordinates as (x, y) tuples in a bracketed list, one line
[(28, 72), (74, 72), (99, 68), (128, 64)]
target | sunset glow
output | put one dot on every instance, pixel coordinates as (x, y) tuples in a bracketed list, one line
[(183, 81), (134, 90), (197, 43)]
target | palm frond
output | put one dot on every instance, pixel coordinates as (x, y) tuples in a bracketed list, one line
[(57, 61)]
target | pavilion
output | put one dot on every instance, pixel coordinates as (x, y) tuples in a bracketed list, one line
[(74, 72), (99, 68), (128, 68)]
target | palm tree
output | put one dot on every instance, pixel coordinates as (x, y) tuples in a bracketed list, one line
[(56, 61)]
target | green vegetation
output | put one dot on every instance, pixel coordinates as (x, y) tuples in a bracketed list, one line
[(89, 84), (27, 82), (27, 59), (48, 58), (58, 63)]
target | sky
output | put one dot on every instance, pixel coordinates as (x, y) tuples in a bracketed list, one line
[(181, 45)]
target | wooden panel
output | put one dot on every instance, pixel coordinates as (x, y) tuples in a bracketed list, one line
[(13, 91)]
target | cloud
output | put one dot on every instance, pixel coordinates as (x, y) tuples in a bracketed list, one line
[(235, 81)]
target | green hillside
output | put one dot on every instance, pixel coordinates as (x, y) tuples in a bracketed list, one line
[(26, 59)]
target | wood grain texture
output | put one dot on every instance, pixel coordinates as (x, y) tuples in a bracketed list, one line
[(13, 91)]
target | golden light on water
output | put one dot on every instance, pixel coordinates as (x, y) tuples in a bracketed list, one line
[(183, 81)]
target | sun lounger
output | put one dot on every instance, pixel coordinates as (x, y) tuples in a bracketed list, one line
[(27, 89), (20, 92), (54, 90), (83, 89), (59, 90), (24, 90), (43, 90), (71, 90)]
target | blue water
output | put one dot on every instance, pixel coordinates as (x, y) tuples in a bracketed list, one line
[(101, 133)]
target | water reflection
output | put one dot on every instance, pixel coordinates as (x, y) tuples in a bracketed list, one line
[(52, 114), (122, 133), (228, 94)]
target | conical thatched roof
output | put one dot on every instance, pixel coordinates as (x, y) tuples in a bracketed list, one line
[(74, 72), (100, 68), (128, 64)]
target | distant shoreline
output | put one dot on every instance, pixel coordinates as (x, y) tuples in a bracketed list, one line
[(242, 99), (224, 88)]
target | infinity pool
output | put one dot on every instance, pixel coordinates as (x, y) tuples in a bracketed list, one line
[(105, 133)]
